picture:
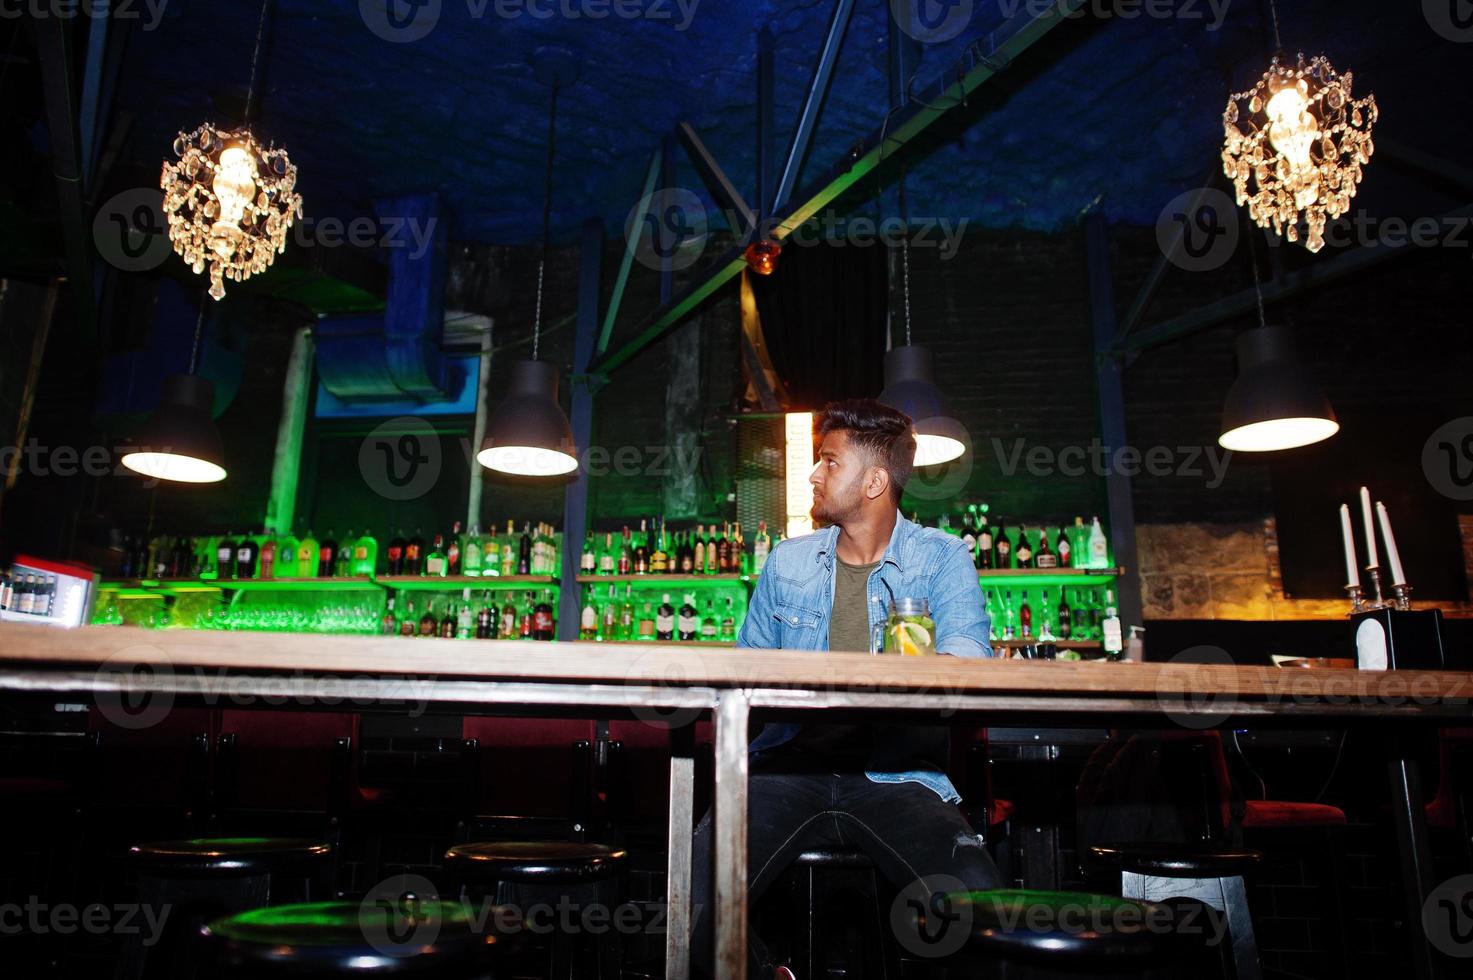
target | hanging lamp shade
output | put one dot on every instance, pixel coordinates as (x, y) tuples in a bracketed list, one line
[(1275, 403), (180, 441), (910, 386), (528, 434)]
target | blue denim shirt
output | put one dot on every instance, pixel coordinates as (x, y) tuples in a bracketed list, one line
[(794, 598)]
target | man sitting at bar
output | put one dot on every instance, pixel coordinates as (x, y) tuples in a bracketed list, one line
[(881, 788)]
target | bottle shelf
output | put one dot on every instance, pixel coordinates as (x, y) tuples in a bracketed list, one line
[(689, 644), (1060, 574), (357, 583), (1061, 644), (432, 583), (663, 579)]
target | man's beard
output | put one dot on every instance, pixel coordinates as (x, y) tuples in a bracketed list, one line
[(835, 508)]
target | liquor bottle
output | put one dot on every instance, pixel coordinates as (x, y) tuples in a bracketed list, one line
[(1045, 557), (1002, 551), (641, 550), (660, 555), (427, 623), (388, 626), (1066, 624), (365, 555), (342, 560), (507, 628), (543, 626), (608, 625), (626, 554), (1065, 551), (224, 559), (452, 550), (509, 551), (723, 552), (727, 632), (1099, 548), (665, 620), (464, 619), (607, 559), (486, 622), (448, 623), (1025, 617), (685, 555), (969, 531), (524, 626), (394, 556), (435, 560), (588, 564), (1045, 617), (646, 624), (709, 625), (588, 621), (687, 627), (984, 539), (470, 559), (698, 551), (245, 557), (1022, 551), (327, 552), (738, 549), (1110, 628), (20, 598), (490, 553), (414, 554), (407, 624), (266, 562), (524, 551), (761, 547), (179, 559), (626, 615)]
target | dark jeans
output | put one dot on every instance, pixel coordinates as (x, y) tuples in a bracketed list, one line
[(919, 842)]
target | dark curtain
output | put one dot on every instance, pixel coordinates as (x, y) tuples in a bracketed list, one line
[(823, 319)]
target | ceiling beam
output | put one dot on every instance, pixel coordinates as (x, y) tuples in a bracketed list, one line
[(1281, 288), (988, 55), (818, 88)]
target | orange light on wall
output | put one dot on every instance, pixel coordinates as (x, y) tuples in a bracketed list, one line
[(798, 439), (762, 256)]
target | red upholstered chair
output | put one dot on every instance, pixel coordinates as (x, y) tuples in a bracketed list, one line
[(1449, 808)]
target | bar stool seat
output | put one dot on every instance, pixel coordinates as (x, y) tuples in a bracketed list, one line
[(1065, 930), (227, 855), (1178, 860), (535, 862), (331, 939)]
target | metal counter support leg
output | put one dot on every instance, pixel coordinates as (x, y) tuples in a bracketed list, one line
[(1409, 815), (730, 838), (677, 876)]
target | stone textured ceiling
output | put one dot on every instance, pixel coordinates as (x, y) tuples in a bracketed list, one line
[(1123, 109)]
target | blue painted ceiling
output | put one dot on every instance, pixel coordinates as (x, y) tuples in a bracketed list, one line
[(1110, 107)]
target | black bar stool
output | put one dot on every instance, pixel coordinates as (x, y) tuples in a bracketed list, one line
[(449, 940), (1212, 875), (829, 940), (528, 873), (202, 879)]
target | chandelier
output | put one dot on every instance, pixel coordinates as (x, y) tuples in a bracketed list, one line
[(1295, 145), (229, 203)]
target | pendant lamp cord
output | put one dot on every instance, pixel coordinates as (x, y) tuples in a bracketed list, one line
[(199, 329), (905, 253), (1257, 286), (256, 60), (546, 217), (1273, 9)]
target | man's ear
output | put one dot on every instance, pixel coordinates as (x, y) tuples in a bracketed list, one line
[(878, 484)]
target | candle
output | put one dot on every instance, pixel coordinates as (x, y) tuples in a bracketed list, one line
[(1352, 573), (1398, 577), (1365, 508)]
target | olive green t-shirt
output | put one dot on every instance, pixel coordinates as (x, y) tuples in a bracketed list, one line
[(849, 622)]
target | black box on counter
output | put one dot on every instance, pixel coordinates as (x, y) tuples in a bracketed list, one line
[(1393, 639)]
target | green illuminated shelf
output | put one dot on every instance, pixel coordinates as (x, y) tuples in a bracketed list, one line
[(136, 588), (1061, 644), (723, 579), (443, 582), (355, 583), (1043, 576)]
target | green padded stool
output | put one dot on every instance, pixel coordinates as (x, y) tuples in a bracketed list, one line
[(409, 937)]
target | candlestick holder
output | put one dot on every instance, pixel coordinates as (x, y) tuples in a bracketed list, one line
[(1377, 599), (1357, 600), (1403, 594)]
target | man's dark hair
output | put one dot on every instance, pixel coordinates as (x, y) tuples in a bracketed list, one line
[(883, 434)]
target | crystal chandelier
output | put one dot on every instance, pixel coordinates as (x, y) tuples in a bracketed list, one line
[(229, 203), (1296, 148)]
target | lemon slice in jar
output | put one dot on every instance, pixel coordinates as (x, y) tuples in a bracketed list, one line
[(915, 639)]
